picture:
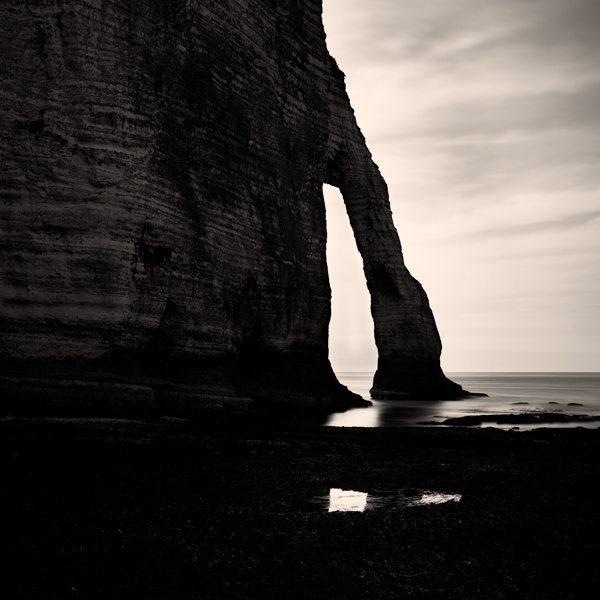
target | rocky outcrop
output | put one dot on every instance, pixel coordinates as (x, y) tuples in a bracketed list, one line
[(163, 224)]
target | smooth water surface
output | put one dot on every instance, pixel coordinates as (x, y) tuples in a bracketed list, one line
[(512, 393)]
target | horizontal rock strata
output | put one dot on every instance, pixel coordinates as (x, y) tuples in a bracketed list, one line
[(163, 224)]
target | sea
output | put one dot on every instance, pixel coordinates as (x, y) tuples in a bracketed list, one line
[(507, 393)]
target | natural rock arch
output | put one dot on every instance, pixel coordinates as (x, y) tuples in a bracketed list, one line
[(163, 234)]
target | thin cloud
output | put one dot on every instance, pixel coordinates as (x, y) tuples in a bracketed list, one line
[(519, 229), (575, 109), (384, 30)]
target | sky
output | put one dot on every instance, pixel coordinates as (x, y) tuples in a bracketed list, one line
[(484, 119)]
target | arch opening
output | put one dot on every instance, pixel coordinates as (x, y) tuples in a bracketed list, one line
[(351, 332)]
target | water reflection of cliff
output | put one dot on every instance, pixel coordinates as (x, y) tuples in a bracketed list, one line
[(389, 413), (517, 394)]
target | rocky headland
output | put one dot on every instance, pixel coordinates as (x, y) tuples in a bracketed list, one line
[(519, 419), (163, 225)]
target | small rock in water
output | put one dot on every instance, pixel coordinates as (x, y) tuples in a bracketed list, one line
[(553, 402), (574, 404), (518, 403)]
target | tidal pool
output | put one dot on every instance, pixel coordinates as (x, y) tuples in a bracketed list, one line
[(339, 500)]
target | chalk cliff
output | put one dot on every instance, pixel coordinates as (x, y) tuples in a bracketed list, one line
[(163, 225)]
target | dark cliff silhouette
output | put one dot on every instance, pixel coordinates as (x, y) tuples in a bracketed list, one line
[(163, 224)]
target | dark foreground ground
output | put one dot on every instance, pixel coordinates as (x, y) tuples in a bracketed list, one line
[(177, 509)]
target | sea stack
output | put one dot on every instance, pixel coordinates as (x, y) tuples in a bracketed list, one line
[(162, 218)]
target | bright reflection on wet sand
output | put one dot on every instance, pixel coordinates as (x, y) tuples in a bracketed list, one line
[(433, 498), (352, 501), (346, 500)]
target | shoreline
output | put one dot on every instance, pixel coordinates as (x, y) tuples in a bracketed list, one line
[(176, 508)]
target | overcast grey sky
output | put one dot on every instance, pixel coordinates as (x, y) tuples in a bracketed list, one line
[(484, 119)]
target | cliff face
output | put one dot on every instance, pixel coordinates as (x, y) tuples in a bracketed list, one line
[(163, 224)]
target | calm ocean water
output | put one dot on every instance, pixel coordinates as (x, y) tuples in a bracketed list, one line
[(504, 391)]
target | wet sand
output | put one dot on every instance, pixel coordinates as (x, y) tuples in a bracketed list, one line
[(178, 509)]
